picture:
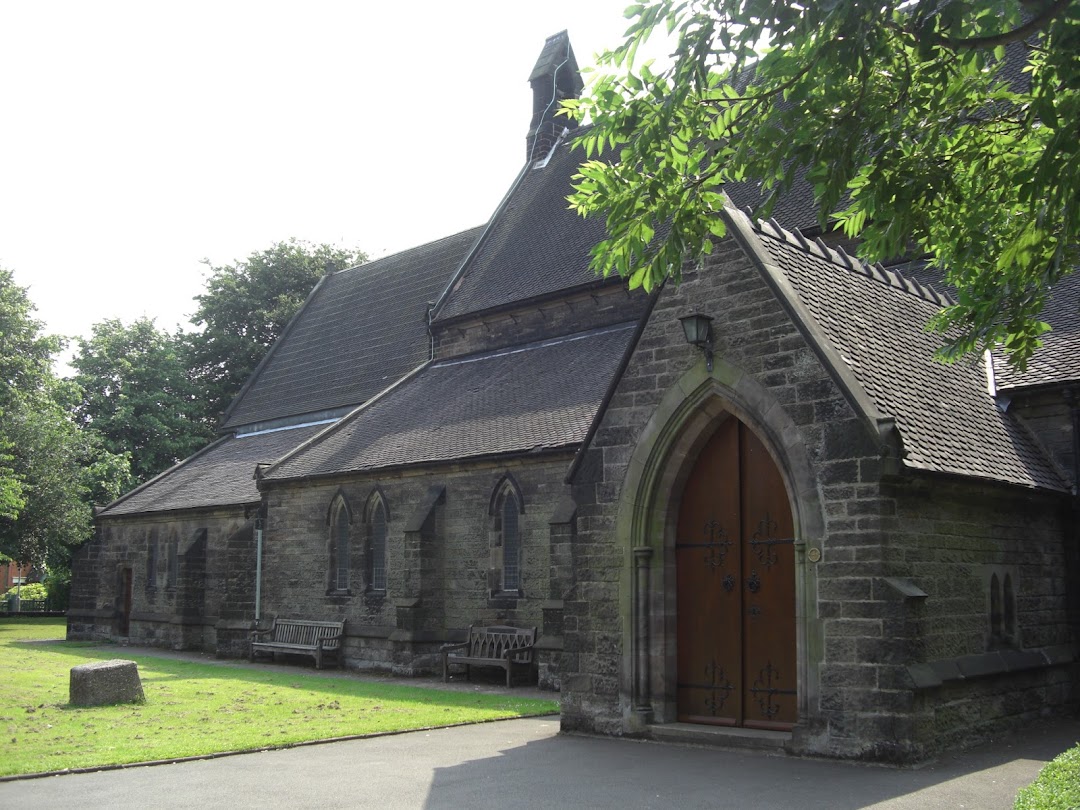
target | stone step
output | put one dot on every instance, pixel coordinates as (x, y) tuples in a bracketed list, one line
[(722, 736)]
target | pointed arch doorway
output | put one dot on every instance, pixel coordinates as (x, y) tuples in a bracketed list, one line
[(735, 588)]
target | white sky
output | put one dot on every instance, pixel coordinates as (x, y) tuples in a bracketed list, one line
[(137, 138)]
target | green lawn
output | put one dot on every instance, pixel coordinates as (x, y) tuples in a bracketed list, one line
[(195, 709)]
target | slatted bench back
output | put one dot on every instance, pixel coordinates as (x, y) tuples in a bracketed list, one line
[(493, 642), (295, 631)]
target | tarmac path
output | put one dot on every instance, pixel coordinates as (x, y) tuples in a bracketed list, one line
[(528, 764)]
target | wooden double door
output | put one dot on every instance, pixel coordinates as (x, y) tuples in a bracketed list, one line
[(735, 563)]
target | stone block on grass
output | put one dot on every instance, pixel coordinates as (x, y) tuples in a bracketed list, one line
[(104, 683)]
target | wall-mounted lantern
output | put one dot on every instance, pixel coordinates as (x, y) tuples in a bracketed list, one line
[(698, 332)]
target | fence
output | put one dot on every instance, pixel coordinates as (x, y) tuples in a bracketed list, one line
[(31, 607)]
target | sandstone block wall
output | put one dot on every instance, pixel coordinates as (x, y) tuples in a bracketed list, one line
[(884, 540), (192, 579), (439, 557)]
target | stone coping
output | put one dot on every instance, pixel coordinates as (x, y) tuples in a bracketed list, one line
[(935, 673)]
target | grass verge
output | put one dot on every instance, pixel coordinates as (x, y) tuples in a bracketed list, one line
[(195, 709), (1056, 788)]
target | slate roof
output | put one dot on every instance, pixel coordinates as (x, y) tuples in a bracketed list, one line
[(1058, 361), (535, 246), (222, 474), (875, 319), (796, 208), (523, 399), (361, 330)]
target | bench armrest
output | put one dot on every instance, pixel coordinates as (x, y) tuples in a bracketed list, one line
[(256, 633), (459, 646), (322, 642)]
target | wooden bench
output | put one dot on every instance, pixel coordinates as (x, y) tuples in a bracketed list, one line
[(495, 646), (300, 637)]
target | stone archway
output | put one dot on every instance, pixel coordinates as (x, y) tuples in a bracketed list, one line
[(647, 526)]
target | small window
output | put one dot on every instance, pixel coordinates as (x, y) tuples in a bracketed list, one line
[(172, 574), (151, 563), (506, 509), (511, 543), (377, 545), (341, 550), (1009, 610), (339, 553), (1002, 604), (997, 622)]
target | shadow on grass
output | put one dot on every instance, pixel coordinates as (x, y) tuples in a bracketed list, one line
[(154, 669)]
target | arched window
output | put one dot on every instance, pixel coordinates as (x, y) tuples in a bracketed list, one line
[(506, 510), (1009, 610), (996, 617), (511, 543), (376, 543), (340, 557), (1003, 626)]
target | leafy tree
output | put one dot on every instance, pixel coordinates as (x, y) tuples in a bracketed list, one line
[(25, 367), (51, 469), (137, 395), (65, 469), (246, 306), (898, 111)]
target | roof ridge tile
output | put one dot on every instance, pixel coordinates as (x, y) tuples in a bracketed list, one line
[(845, 260), (800, 239), (774, 226), (849, 260)]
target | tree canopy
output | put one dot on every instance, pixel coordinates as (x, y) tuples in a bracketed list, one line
[(245, 308), (907, 116), (51, 471), (136, 393), (25, 364)]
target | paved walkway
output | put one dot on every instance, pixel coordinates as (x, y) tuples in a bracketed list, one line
[(528, 764)]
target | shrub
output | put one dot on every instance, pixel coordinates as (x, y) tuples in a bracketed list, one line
[(1057, 786), (58, 583), (28, 593)]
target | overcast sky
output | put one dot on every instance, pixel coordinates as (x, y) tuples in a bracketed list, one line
[(139, 137)]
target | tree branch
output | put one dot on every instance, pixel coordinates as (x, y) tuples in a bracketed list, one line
[(1008, 37)]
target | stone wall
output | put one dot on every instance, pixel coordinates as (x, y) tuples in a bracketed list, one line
[(991, 643), (765, 374), (192, 579), (1048, 415), (440, 553), (606, 304), (893, 569)]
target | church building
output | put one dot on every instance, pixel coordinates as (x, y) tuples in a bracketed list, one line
[(750, 508)]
